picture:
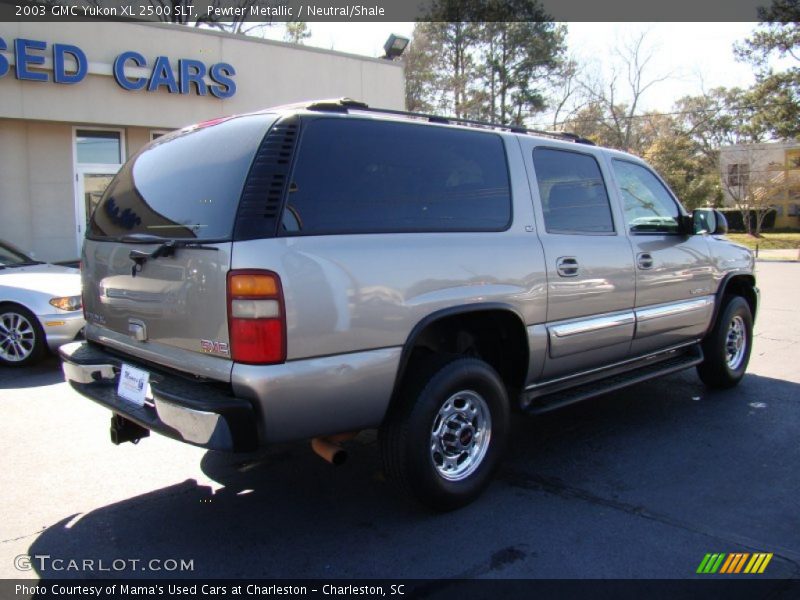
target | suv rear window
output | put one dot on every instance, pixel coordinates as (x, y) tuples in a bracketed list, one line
[(185, 184), (363, 176)]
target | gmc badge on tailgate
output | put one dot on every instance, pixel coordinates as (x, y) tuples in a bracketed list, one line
[(213, 347)]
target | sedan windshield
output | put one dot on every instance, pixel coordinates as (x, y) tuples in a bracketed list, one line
[(11, 257)]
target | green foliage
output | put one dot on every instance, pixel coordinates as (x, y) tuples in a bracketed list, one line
[(776, 92), (419, 66), (296, 32), (478, 59), (516, 60), (680, 160)]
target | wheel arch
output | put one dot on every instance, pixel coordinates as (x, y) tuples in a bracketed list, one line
[(6, 302), (493, 332), (738, 284)]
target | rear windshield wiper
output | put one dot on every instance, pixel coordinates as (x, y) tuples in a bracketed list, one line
[(165, 248)]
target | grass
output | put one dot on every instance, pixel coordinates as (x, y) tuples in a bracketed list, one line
[(768, 240)]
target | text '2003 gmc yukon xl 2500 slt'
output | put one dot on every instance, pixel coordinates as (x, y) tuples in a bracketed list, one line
[(316, 270)]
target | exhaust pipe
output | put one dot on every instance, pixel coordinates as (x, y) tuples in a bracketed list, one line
[(329, 449)]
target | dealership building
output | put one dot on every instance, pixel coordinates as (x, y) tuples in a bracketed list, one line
[(78, 99)]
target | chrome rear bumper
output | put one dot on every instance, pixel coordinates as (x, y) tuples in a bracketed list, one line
[(196, 412)]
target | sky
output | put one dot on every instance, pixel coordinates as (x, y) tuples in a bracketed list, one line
[(696, 56)]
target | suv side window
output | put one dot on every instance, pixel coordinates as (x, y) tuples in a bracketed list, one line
[(647, 205), (365, 176), (574, 196)]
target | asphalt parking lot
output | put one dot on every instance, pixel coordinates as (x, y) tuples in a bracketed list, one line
[(637, 484)]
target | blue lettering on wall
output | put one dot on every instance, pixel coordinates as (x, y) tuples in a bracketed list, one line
[(60, 74), (192, 71), (22, 48), (119, 71), (222, 73), (190, 77), (162, 75), (3, 59)]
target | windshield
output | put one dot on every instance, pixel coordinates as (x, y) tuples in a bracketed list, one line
[(184, 185), (11, 257)]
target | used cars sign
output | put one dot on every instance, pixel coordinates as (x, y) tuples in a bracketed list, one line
[(191, 76)]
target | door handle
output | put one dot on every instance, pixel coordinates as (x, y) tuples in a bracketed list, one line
[(644, 260), (567, 266)]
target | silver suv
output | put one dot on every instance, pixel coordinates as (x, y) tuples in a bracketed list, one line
[(308, 272)]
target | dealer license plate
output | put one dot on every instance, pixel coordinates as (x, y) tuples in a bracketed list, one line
[(133, 384)]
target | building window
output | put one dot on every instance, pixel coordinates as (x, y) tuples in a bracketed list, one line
[(793, 159), (738, 174), (155, 134), (98, 147)]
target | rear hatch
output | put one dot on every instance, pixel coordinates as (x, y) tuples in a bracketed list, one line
[(158, 247)]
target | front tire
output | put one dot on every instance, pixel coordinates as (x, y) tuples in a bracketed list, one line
[(22, 340), (727, 347), (444, 439)]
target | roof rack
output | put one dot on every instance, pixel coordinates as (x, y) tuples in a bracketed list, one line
[(345, 105)]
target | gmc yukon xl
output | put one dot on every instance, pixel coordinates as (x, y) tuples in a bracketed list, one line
[(311, 271)]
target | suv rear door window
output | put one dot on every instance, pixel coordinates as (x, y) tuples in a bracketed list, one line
[(646, 203), (573, 194), (364, 176)]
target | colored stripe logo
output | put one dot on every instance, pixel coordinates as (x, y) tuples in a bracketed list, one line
[(734, 563)]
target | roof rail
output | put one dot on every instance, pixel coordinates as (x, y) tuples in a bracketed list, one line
[(345, 105)]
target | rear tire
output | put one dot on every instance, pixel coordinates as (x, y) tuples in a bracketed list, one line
[(444, 439), (22, 341), (727, 346)]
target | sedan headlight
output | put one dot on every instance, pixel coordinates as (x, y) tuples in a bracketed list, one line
[(68, 303)]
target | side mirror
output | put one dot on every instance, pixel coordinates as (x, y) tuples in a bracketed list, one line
[(709, 220)]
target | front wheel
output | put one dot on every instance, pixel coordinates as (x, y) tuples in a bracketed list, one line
[(445, 437), (727, 347)]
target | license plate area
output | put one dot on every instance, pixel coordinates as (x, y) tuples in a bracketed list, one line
[(134, 385)]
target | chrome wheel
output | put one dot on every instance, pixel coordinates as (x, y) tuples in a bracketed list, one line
[(460, 435), (735, 343), (17, 337)]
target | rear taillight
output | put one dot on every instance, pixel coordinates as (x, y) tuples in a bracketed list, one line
[(256, 317)]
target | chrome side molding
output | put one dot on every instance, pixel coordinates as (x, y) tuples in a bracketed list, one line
[(592, 324), (671, 310)]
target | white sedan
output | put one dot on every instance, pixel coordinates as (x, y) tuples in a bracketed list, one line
[(40, 307)]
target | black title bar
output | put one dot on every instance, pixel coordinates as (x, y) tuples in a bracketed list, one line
[(255, 11)]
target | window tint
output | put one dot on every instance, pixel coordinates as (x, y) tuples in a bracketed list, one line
[(363, 176), (647, 204), (574, 198), (185, 184)]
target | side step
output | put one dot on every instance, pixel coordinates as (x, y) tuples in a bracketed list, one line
[(540, 401)]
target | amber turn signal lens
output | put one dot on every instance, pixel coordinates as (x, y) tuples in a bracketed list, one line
[(247, 285)]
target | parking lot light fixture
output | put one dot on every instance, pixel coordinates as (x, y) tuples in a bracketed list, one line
[(394, 46)]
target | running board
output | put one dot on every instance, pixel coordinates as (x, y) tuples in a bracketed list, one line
[(541, 400)]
